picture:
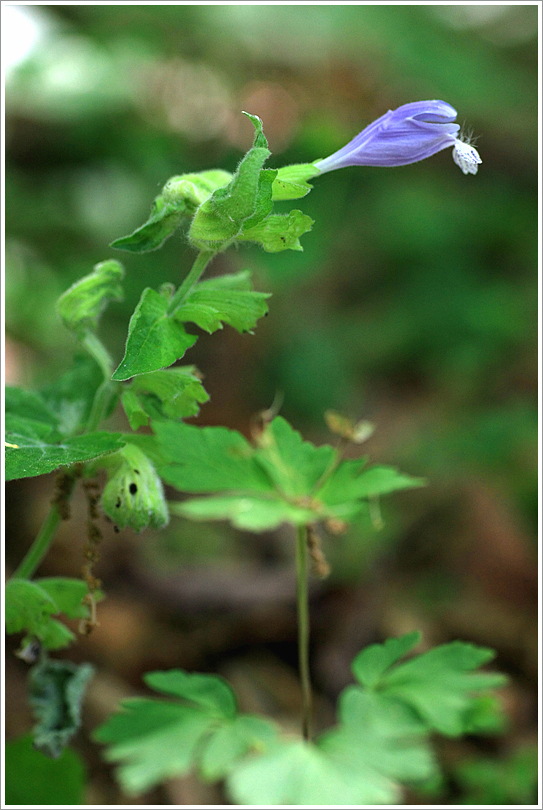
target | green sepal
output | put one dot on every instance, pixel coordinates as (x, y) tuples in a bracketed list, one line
[(82, 304), (278, 231), (133, 495), (219, 219), (179, 200), (291, 181), (174, 393)]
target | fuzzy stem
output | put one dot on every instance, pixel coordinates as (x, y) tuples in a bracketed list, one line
[(200, 264), (98, 351), (303, 628)]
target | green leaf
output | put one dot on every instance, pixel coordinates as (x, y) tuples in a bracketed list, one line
[(219, 219), (231, 742), (278, 231), (70, 397), (439, 685), (178, 200), (31, 778), (227, 299), (291, 181), (254, 514), (133, 495), (209, 459), (156, 740), (31, 605), (28, 606), (28, 405), (38, 449), (294, 465), (82, 304), (370, 665), (175, 393), (56, 691), (279, 480), (207, 691), (351, 482), (155, 340), (67, 593)]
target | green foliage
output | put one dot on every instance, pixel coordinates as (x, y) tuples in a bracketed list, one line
[(32, 778), (175, 393), (154, 340), (227, 299), (280, 479), (156, 739), (179, 200), (133, 495), (30, 607), (81, 306), (379, 743), (438, 685), (56, 691)]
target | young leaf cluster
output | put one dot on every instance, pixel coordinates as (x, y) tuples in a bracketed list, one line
[(381, 740)]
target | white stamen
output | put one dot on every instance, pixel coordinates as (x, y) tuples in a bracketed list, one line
[(466, 156)]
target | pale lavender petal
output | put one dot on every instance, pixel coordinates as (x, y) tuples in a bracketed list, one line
[(410, 133)]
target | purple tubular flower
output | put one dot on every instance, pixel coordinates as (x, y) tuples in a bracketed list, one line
[(412, 132)]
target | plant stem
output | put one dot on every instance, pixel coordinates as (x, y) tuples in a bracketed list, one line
[(200, 264), (98, 351), (303, 628), (40, 546)]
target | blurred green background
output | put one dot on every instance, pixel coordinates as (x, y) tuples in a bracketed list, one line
[(414, 303)]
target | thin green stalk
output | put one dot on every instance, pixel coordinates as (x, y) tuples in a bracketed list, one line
[(200, 264), (96, 349), (40, 546), (302, 599)]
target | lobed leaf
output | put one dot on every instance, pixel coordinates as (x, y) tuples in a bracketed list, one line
[(174, 393), (154, 340), (156, 740), (227, 299)]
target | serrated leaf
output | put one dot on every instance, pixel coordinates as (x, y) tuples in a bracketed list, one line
[(28, 606), (370, 665), (178, 200), (175, 393), (156, 740), (227, 299), (67, 593), (219, 219), (440, 684), (155, 340), (56, 690), (244, 512), (294, 465), (209, 459), (81, 306), (38, 450), (207, 691), (231, 742), (350, 481), (31, 778)]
